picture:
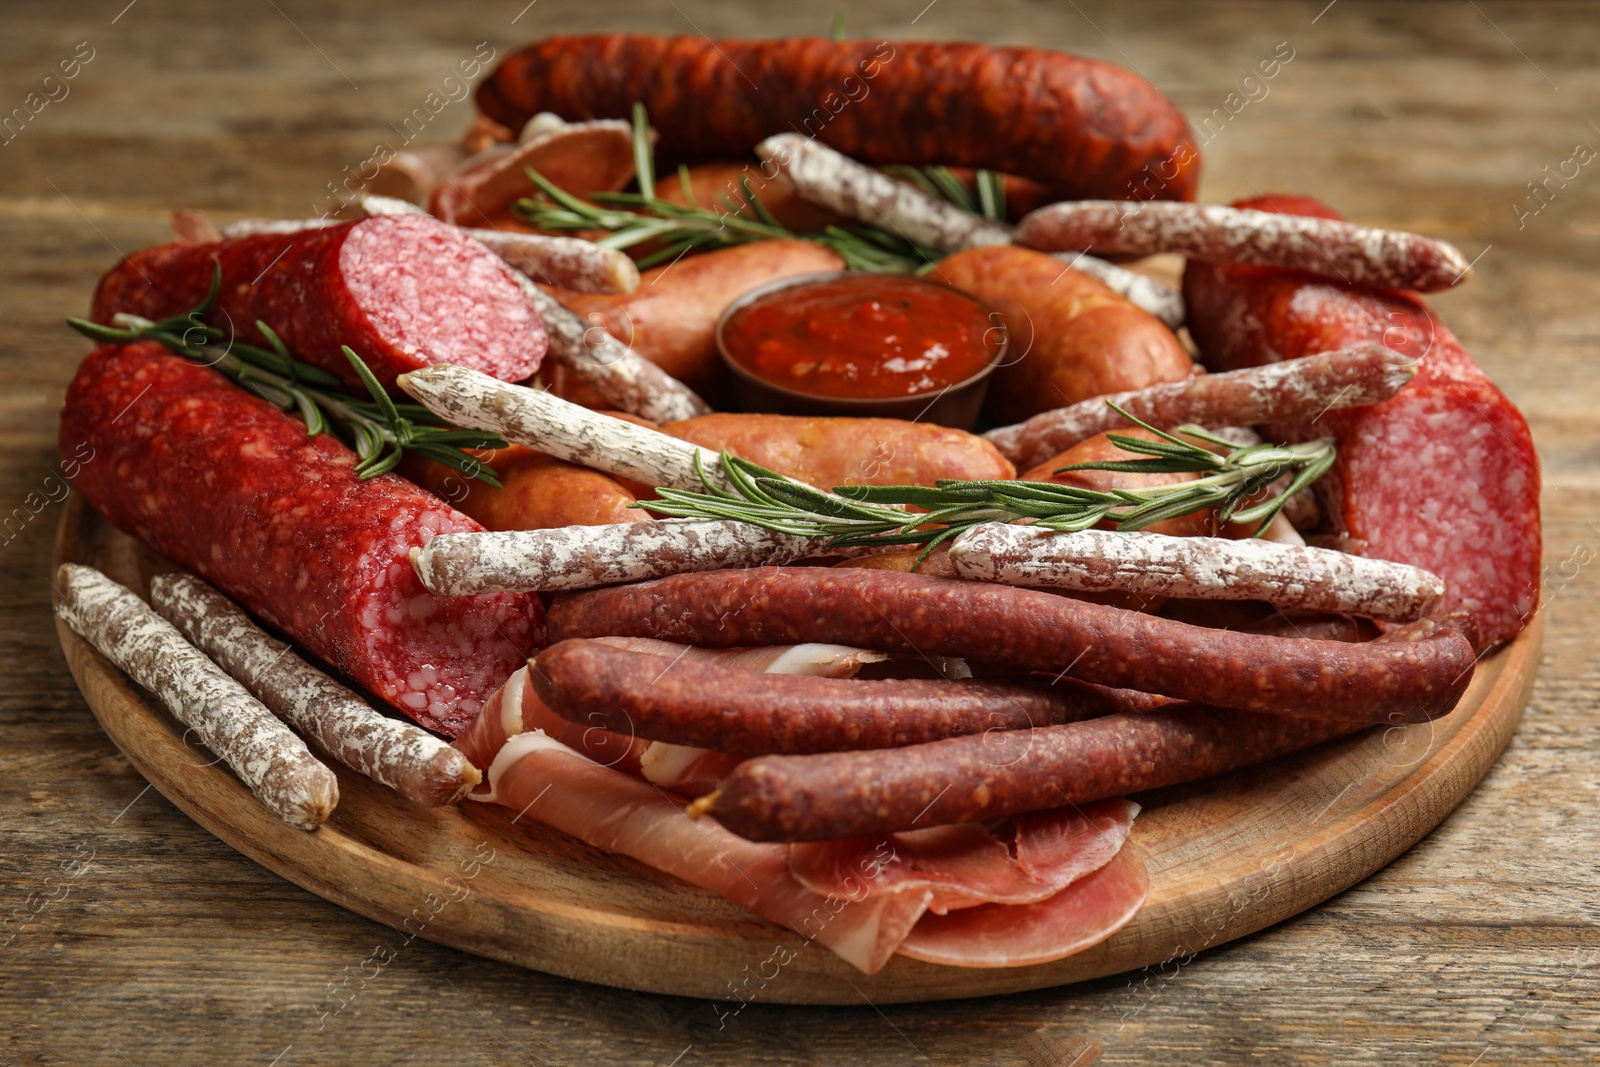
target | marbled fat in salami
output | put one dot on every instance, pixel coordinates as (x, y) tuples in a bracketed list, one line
[(402, 291), (225, 484), (1442, 476)]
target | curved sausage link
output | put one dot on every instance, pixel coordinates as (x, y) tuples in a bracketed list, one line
[(1088, 129), (1401, 680), (693, 702), (987, 776)]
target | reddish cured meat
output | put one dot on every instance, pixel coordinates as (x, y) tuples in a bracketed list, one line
[(1442, 476), (1420, 675), (225, 484), (1082, 128), (403, 291), (999, 935)]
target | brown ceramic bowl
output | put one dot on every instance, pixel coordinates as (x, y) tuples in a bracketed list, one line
[(955, 405)]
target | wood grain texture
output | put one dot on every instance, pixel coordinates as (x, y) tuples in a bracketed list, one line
[(1478, 945), (1226, 857)]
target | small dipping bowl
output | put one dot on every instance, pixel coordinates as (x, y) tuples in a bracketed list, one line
[(862, 344)]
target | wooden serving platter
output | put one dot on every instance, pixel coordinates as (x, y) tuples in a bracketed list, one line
[(1227, 856)]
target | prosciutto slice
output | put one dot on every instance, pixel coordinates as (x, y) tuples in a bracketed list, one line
[(616, 812), (1025, 890), (1020, 861), (1085, 913), (515, 708)]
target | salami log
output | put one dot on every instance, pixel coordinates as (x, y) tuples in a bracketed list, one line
[(1083, 128), (1402, 680), (694, 702), (225, 484), (987, 776), (403, 291), (1443, 476)]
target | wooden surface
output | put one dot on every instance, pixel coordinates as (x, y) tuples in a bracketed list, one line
[(155, 943), (1254, 847)]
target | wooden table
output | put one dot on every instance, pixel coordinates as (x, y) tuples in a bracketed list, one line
[(138, 938)]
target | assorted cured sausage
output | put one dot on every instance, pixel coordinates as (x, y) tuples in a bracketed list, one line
[(866, 660)]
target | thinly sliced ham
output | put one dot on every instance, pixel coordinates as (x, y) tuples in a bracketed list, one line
[(544, 780), (1085, 913), (691, 771), (515, 708), (1018, 861)]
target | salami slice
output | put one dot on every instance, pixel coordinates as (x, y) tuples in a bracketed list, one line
[(1443, 476), (225, 484), (403, 291)]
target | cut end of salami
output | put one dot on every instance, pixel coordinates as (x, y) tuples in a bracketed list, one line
[(437, 296), (1442, 476), (402, 291)]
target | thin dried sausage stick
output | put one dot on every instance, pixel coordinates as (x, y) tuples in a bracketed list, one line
[(1399, 680), (623, 377), (693, 702), (1200, 568), (987, 776), (856, 191), (560, 428), (582, 557), (407, 759), (1359, 255), (274, 763), (1297, 390)]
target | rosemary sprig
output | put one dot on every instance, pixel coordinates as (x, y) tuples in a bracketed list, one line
[(987, 197), (643, 217), (1233, 479), (378, 429)]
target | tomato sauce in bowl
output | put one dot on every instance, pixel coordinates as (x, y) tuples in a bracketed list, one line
[(860, 343)]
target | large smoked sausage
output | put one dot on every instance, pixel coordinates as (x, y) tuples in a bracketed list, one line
[(403, 291), (1083, 128), (537, 492), (1069, 336), (1443, 476), (829, 452), (225, 484)]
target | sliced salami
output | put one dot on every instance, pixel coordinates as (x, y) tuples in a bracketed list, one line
[(1443, 476), (403, 291)]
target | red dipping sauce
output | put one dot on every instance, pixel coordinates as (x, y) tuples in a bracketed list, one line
[(862, 336)]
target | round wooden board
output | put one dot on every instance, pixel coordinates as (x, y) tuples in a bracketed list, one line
[(1227, 856)]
